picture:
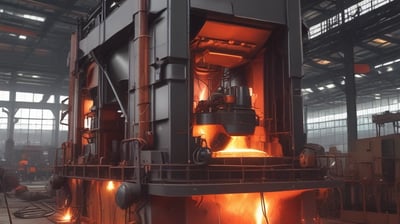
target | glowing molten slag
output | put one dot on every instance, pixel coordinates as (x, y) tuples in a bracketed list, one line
[(237, 147), (236, 208), (248, 208), (259, 216), (67, 216)]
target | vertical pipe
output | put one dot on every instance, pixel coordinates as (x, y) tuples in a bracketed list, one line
[(11, 113), (350, 90), (73, 94), (56, 112), (295, 59), (142, 70), (189, 87), (9, 144)]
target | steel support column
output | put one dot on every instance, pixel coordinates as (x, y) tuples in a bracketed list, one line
[(350, 91), (350, 84), (56, 113), (11, 113), (9, 145), (296, 73)]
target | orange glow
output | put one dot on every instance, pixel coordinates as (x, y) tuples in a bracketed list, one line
[(247, 207), (87, 105), (67, 216), (259, 215), (239, 153), (110, 185), (238, 147), (203, 94), (207, 131)]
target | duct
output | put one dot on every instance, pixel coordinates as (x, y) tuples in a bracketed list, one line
[(142, 70)]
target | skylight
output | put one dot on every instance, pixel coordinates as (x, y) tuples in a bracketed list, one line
[(308, 90), (32, 17), (380, 41), (350, 13), (330, 86), (25, 16), (359, 75), (387, 63), (322, 61)]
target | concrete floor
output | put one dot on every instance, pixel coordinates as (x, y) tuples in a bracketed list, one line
[(16, 204)]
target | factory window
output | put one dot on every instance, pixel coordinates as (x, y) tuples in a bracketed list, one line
[(4, 95), (51, 99), (28, 97), (3, 130), (64, 99), (34, 119), (63, 121), (34, 126), (3, 118), (334, 119)]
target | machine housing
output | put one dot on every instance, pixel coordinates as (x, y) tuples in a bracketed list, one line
[(187, 112)]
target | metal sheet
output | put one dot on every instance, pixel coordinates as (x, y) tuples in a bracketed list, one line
[(180, 190)]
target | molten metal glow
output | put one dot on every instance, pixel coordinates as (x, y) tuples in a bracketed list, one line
[(259, 215), (249, 208), (234, 208), (87, 105), (67, 216), (237, 147), (239, 153), (110, 185), (203, 94)]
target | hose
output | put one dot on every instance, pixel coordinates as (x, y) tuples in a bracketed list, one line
[(36, 210), (263, 207)]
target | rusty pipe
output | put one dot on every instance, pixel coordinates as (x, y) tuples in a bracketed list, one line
[(142, 69)]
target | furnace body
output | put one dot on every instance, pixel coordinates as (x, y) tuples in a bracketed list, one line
[(188, 112)]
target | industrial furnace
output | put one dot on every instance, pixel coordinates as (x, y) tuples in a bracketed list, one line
[(187, 112)]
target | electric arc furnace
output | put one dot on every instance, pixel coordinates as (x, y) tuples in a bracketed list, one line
[(187, 112)]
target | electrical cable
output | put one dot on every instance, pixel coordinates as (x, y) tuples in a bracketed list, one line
[(36, 210), (263, 207)]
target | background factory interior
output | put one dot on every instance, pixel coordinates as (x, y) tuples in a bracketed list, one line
[(350, 94)]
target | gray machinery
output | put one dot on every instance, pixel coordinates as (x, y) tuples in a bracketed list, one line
[(371, 175), (187, 112)]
